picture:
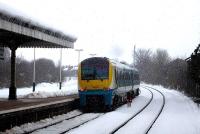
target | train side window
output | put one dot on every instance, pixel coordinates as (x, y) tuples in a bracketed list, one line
[(116, 76), (120, 77), (130, 77)]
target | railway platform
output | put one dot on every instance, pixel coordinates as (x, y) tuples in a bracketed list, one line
[(17, 112)]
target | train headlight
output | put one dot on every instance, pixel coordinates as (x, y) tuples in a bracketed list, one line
[(81, 89), (104, 88)]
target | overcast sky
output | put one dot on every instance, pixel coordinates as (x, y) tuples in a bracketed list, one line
[(111, 28)]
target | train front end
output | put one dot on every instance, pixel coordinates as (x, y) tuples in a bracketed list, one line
[(94, 80)]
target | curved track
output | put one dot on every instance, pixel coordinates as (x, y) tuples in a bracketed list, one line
[(163, 104), (123, 124), (77, 120), (156, 117), (88, 120)]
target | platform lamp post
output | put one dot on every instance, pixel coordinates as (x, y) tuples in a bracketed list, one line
[(60, 83), (134, 55), (78, 50), (34, 70)]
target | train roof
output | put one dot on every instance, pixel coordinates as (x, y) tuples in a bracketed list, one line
[(122, 65), (114, 63)]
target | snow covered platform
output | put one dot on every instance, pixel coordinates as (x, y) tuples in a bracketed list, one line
[(25, 110)]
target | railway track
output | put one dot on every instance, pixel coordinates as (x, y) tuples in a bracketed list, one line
[(48, 125), (140, 111), (80, 124), (163, 104), (73, 122), (133, 116), (151, 98), (62, 131)]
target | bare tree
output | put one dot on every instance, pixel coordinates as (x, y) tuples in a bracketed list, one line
[(5, 69), (143, 59), (158, 68), (24, 73), (177, 74), (159, 62), (46, 71)]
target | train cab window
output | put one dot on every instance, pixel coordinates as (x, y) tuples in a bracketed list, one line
[(95, 69)]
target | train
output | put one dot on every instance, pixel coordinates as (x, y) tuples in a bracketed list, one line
[(105, 83)]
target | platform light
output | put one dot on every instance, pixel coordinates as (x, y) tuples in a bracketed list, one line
[(92, 55), (79, 50), (34, 70), (60, 83)]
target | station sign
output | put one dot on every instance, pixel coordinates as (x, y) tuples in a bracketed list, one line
[(1, 53)]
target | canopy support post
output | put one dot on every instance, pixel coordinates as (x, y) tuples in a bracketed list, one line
[(12, 89)]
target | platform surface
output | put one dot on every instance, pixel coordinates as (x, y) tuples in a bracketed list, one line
[(7, 106)]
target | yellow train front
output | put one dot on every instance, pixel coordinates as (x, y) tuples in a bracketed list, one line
[(105, 83)]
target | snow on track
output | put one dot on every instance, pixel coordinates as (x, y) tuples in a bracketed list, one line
[(106, 123), (29, 127), (67, 124), (142, 121), (180, 115)]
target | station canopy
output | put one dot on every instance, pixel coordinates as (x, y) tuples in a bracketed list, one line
[(17, 32), (21, 32)]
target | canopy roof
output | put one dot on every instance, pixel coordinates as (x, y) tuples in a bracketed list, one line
[(21, 32)]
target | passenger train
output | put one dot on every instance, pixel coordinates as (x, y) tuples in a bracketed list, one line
[(106, 83)]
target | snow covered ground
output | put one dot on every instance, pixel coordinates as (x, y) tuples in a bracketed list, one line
[(179, 116), (44, 90)]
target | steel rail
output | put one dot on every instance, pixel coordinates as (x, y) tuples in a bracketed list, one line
[(55, 123), (81, 124), (161, 109), (133, 116)]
